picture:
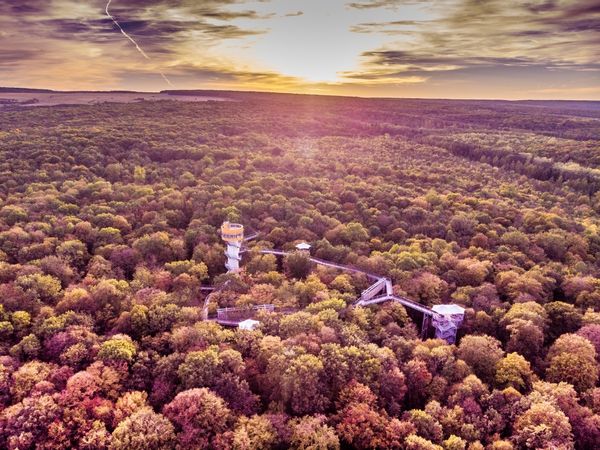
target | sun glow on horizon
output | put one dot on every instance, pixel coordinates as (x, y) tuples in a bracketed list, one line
[(379, 48), (319, 45)]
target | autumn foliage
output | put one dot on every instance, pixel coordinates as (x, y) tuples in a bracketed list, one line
[(109, 228)]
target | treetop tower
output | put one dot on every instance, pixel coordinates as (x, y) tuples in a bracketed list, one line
[(233, 235)]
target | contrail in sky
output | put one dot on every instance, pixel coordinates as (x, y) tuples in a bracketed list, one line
[(139, 49)]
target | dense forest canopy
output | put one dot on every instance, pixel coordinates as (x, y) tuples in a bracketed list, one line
[(109, 228)]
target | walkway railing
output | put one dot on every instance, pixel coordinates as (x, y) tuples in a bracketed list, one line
[(235, 314)]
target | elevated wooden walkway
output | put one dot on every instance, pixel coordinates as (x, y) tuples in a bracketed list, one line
[(379, 292)]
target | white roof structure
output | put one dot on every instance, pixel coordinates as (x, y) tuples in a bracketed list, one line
[(303, 246), (248, 324), (448, 310)]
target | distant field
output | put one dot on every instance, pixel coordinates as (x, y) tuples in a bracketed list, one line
[(91, 98)]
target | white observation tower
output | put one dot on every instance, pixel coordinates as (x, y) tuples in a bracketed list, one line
[(233, 235)]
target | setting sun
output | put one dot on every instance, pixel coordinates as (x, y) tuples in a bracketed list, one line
[(392, 48)]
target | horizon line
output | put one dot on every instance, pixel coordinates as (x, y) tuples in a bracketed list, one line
[(16, 89)]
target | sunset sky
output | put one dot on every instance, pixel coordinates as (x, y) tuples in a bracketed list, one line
[(395, 48)]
